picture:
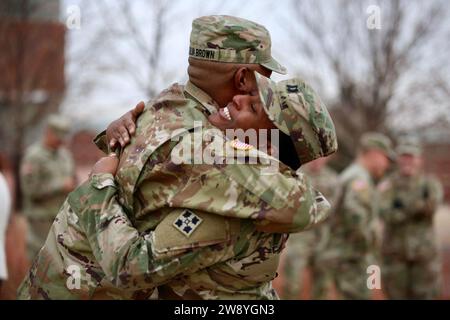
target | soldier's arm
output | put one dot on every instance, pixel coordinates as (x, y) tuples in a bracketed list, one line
[(392, 209), (34, 182), (434, 196), (430, 197), (277, 202), (129, 259), (356, 206)]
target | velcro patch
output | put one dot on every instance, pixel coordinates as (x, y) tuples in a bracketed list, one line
[(187, 222)]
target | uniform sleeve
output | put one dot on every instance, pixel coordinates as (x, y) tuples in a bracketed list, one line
[(357, 210), (34, 182), (391, 208), (101, 143), (128, 258), (430, 197), (278, 202)]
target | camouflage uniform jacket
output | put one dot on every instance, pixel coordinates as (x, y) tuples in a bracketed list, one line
[(159, 252), (317, 239), (43, 174), (352, 221), (407, 210)]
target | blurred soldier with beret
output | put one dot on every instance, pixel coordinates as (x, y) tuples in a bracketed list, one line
[(410, 198), (47, 176)]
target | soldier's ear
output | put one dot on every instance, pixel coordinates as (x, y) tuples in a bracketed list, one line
[(243, 81)]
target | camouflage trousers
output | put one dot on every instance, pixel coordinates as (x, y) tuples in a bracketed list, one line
[(403, 279), (299, 256), (37, 234), (350, 278)]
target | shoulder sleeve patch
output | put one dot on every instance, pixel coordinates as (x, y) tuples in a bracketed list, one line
[(187, 222), (185, 229)]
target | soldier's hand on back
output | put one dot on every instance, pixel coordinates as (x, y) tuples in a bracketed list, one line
[(107, 164), (120, 130)]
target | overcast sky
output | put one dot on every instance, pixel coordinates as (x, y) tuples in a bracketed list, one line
[(112, 92)]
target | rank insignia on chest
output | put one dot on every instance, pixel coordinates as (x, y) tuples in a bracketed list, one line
[(239, 145), (187, 222)]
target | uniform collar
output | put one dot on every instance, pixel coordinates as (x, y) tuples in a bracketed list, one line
[(209, 105)]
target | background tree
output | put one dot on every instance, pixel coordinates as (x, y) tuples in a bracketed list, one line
[(32, 71), (393, 79)]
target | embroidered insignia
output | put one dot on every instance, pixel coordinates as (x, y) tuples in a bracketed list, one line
[(239, 145), (187, 222)]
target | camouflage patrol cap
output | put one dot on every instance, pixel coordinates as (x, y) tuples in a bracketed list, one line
[(298, 111), (59, 124), (379, 141), (232, 39), (409, 147)]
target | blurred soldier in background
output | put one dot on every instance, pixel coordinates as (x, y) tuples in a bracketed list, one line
[(353, 240), (47, 176), (307, 249), (410, 199)]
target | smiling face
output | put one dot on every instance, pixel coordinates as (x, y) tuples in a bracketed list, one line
[(243, 112), (378, 162)]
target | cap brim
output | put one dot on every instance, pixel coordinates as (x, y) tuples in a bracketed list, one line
[(263, 84), (273, 65)]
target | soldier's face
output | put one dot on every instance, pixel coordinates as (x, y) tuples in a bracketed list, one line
[(52, 139), (379, 163), (243, 112), (409, 165)]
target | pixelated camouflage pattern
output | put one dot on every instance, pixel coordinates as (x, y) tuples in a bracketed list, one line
[(298, 111), (150, 252), (92, 233), (234, 40), (281, 202), (308, 249), (353, 243), (411, 266), (43, 174)]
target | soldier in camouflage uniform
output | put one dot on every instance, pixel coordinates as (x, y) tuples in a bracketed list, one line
[(47, 176), (353, 241), (411, 268), (308, 249), (190, 230)]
